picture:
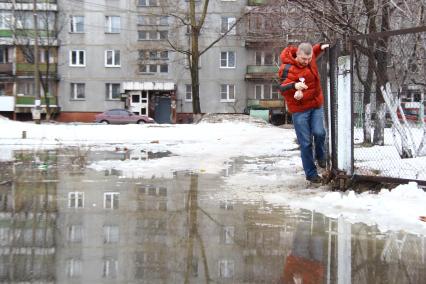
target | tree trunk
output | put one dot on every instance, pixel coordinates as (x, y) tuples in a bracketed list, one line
[(382, 77), (194, 59)]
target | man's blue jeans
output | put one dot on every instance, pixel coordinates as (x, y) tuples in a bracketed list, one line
[(310, 124)]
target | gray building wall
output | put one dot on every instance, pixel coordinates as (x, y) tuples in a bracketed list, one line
[(95, 41)]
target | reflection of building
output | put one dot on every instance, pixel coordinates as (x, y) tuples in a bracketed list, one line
[(28, 212), (60, 222)]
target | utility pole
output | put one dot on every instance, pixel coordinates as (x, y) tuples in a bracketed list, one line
[(37, 102)]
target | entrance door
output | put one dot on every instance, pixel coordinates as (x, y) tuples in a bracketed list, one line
[(162, 109), (139, 102)]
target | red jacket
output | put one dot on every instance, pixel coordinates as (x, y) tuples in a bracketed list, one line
[(312, 97), (311, 271)]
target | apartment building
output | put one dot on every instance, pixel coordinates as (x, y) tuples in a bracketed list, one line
[(123, 54), (17, 39)]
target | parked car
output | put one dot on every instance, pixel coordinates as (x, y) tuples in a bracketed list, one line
[(122, 116)]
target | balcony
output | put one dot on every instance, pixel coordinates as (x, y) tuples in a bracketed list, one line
[(261, 72), (26, 101), (271, 103), (23, 69), (27, 5), (256, 2), (6, 69), (5, 33)]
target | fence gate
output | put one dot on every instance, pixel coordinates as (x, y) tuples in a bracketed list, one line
[(388, 86)]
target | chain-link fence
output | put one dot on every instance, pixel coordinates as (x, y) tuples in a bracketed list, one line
[(388, 86)]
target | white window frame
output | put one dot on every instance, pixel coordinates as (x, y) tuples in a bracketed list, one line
[(73, 24), (228, 234), (114, 53), (112, 194), (229, 21), (263, 95), (109, 29), (108, 234), (228, 88), (74, 267), (228, 66), (188, 91), (74, 89), (109, 89), (159, 68), (75, 195), (43, 56), (75, 233), (79, 53), (110, 267), (226, 268), (5, 20)]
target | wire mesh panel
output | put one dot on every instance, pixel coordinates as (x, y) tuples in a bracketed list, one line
[(389, 71)]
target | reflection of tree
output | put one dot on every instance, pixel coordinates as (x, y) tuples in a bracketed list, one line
[(193, 231), (28, 228)]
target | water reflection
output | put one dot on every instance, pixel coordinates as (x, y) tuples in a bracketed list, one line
[(65, 223)]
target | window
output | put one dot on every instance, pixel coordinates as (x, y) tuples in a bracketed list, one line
[(110, 267), (146, 3), (227, 59), (164, 68), (76, 200), (2, 91), (112, 58), (4, 55), (263, 92), (46, 55), (112, 24), (266, 92), (77, 24), (152, 35), (111, 200), (152, 68), (77, 58), (73, 267), (188, 92), (111, 234), (164, 34), (112, 91), (226, 268), (5, 20), (164, 54), (227, 24), (164, 21), (275, 92), (77, 91), (228, 233), (265, 58), (75, 233), (227, 93)]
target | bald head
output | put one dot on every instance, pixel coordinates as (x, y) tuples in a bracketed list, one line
[(304, 53)]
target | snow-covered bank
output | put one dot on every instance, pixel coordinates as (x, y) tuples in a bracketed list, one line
[(203, 147)]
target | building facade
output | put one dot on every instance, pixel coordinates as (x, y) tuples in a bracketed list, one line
[(17, 64), (131, 54)]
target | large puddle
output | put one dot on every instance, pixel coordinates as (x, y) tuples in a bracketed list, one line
[(62, 222)]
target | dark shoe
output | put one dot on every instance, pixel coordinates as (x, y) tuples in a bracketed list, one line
[(315, 179), (322, 164)]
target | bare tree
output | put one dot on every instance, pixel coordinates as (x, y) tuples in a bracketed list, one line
[(192, 20)]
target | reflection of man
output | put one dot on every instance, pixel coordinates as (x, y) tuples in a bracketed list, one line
[(304, 264), (301, 89)]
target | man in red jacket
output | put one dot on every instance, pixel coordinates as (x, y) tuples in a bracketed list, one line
[(301, 89)]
